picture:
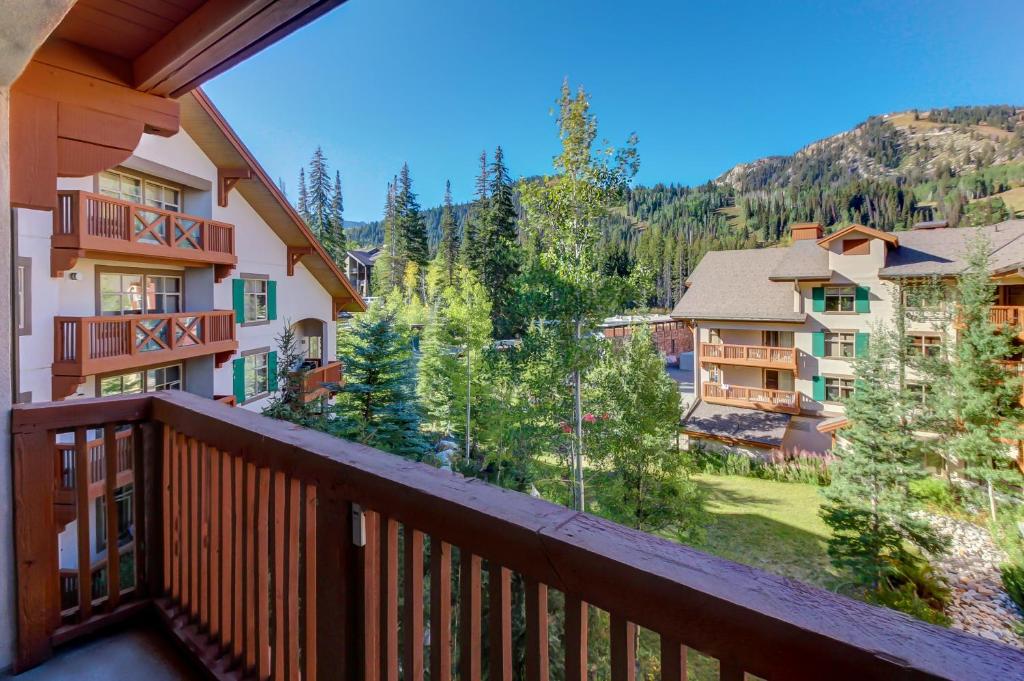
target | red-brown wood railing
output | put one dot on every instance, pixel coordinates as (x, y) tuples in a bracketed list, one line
[(1007, 315), (315, 381), (753, 355), (274, 552), (758, 398), (92, 345), (66, 478), (99, 223)]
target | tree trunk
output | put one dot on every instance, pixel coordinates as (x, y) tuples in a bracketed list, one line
[(578, 417)]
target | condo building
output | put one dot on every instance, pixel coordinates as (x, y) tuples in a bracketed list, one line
[(776, 329)]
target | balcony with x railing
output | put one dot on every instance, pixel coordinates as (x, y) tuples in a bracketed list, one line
[(86, 346), (87, 224)]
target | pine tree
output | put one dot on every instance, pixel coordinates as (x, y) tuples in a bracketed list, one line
[(984, 394), (500, 258), (281, 185), (319, 197), (376, 405), (388, 269), (868, 503), (303, 205), (334, 236), (288, 401), (411, 228), (476, 221), (448, 249)]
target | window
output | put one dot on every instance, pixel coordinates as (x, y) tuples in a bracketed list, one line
[(923, 345), (839, 298), (128, 188), (150, 380), (23, 296), (714, 373), (125, 518), (255, 300), (778, 339), (314, 347), (257, 375), (920, 391), (838, 388), (139, 293), (840, 344)]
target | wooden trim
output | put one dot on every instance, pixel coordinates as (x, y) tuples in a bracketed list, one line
[(747, 355), (250, 275), (726, 439), (256, 351), (295, 254), (871, 232), (227, 178)]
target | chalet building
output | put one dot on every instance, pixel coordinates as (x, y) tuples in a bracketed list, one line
[(359, 269), (777, 328), (179, 268), (252, 547), (672, 337)]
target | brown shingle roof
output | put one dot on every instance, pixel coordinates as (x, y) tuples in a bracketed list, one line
[(765, 428), (941, 252)]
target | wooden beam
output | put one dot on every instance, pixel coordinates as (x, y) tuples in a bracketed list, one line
[(295, 254), (217, 36), (227, 178)]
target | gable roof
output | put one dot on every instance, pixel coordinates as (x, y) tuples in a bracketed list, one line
[(869, 232), (941, 252), (366, 258), (803, 260), (735, 285), (207, 127)]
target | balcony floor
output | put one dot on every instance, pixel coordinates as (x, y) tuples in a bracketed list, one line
[(137, 651)]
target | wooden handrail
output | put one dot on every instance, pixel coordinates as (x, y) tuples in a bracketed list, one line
[(314, 380), (758, 398), (310, 523), (761, 355), (1007, 315)]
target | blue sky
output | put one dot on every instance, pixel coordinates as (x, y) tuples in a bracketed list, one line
[(704, 84)]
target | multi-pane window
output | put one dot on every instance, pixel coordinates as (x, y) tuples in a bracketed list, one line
[(255, 300), (778, 339), (714, 373), (314, 347), (839, 298), (925, 345), (257, 375), (839, 344), (23, 296), (838, 388), (161, 378), (920, 391), (135, 189), (122, 293)]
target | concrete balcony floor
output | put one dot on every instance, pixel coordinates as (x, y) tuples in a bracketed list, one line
[(136, 651)]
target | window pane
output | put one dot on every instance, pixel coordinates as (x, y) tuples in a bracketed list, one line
[(110, 283), (131, 189)]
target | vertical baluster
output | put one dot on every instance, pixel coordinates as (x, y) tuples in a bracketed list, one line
[(194, 529), (389, 599), (82, 494), (440, 609), (113, 548), (369, 568), (334, 638), (166, 483), (227, 524), (311, 591), (293, 543), (280, 517), (237, 553), (263, 574), (469, 615), (536, 631), (500, 611), (204, 537), (249, 612), (576, 634), (623, 635), (673, 659), (215, 512), (186, 525), (412, 613)]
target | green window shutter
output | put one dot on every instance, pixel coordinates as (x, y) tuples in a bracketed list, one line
[(272, 378), (818, 299), (818, 388), (238, 379), (863, 303), (818, 343), (860, 344), (238, 299), (271, 300)]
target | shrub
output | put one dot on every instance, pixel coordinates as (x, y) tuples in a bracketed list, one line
[(1013, 582), (780, 468), (906, 600), (912, 586), (1007, 534), (933, 492)]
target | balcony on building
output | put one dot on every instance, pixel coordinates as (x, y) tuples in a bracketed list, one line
[(264, 550), (100, 226), (767, 399), (765, 356), (87, 346), (1008, 308)]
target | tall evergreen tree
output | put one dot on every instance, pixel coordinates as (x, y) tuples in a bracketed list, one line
[(868, 503), (448, 249), (376, 405), (390, 266), (303, 206), (476, 221), (500, 258), (411, 228), (334, 236), (319, 197)]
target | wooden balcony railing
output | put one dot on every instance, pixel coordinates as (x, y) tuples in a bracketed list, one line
[(67, 472), (100, 225), (272, 551), (787, 401), (229, 400), (317, 383), (69, 597), (84, 346), (1007, 315), (749, 355)]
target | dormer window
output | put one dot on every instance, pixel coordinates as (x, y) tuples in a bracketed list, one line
[(856, 246)]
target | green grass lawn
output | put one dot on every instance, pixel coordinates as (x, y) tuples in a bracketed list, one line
[(769, 525)]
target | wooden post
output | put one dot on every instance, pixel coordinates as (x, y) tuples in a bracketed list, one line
[(333, 595), (113, 531), (35, 547)]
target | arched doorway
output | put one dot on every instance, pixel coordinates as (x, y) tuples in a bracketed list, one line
[(311, 335)]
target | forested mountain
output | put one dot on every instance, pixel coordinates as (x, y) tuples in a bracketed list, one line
[(964, 165)]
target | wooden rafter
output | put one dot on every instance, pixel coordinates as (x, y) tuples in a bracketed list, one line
[(227, 178), (295, 254)]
